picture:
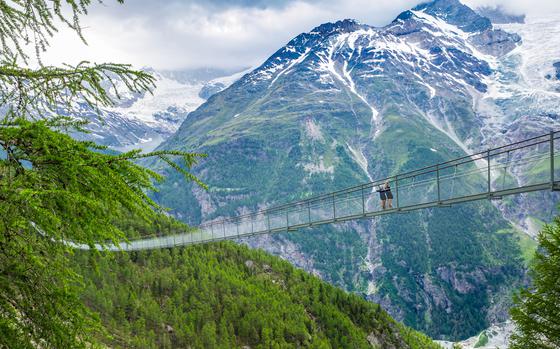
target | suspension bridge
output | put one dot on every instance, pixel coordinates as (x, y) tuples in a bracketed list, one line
[(521, 167)]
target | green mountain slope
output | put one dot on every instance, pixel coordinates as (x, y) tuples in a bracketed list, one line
[(336, 107), (408, 263), (226, 296)]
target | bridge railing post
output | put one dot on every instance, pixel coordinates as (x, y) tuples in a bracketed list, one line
[(333, 207), (489, 175), (552, 160), (309, 212), (363, 202), (438, 185), (397, 191)]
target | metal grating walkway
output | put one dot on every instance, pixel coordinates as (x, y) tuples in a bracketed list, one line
[(526, 166)]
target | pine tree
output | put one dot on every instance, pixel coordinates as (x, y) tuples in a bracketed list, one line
[(54, 189), (537, 309)]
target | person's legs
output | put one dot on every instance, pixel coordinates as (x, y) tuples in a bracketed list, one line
[(389, 197), (382, 204)]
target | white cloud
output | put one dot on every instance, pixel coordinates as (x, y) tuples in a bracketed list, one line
[(176, 34), (528, 7)]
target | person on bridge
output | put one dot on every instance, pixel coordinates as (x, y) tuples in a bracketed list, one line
[(388, 194), (385, 195), (382, 196)]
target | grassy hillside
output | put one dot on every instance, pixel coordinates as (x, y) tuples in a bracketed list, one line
[(223, 296)]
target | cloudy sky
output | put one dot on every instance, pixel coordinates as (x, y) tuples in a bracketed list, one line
[(182, 34)]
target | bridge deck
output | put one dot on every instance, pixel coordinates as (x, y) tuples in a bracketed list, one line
[(526, 166)]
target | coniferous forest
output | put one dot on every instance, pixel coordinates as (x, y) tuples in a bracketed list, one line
[(223, 295)]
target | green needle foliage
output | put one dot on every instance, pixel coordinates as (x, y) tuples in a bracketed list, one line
[(54, 189), (45, 91), (48, 90), (537, 310), (225, 296), (24, 22)]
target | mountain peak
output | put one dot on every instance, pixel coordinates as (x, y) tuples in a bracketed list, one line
[(342, 26), (455, 13)]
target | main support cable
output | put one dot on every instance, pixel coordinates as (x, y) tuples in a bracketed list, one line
[(530, 163)]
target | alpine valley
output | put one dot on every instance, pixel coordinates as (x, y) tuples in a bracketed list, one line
[(347, 103)]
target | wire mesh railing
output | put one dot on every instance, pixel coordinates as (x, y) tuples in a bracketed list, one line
[(529, 165)]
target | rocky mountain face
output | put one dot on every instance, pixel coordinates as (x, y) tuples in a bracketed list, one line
[(346, 103), (145, 120)]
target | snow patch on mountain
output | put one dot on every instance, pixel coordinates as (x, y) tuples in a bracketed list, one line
[(521, 101), (144, 120), (538, 53), (290, 65), (167, 93), (453, 35), (374, 113), (361, 160), (228, 80)]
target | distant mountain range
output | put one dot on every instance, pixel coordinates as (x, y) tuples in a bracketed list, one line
[(145, 120), (346, 103)]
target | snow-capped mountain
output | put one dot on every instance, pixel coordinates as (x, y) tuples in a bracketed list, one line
[(145, 120), (505, 76), (511, 71), (347, 102)]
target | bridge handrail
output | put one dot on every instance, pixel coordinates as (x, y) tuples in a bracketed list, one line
[(485, 156), (401, 176)]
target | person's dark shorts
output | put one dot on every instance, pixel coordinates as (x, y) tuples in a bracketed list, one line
[(389, 195), (382, 195)]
